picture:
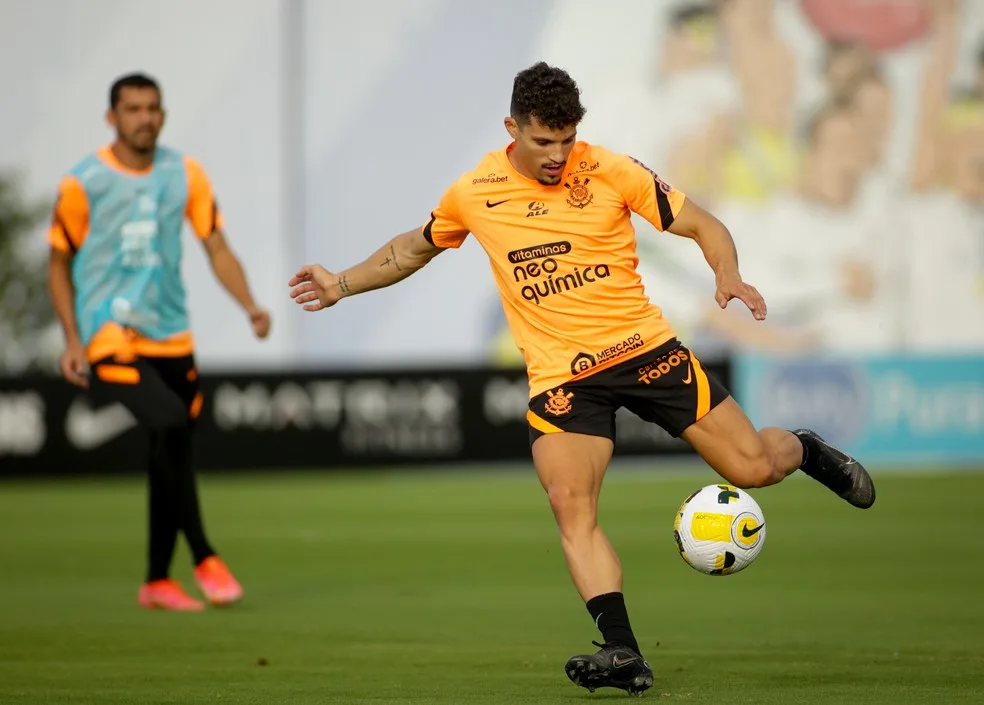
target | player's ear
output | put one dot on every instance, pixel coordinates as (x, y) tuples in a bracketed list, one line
[(512, 127), (111, 118)]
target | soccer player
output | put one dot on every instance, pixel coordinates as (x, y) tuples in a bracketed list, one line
[(553, 215), (115, 283)]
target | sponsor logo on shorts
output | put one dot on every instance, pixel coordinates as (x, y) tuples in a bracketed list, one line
[(657, 368), (558, 403)]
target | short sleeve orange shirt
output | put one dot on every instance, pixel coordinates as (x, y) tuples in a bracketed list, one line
[(564, 256)]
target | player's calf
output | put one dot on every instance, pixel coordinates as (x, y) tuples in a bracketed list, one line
[(753, 471), (745, 457), (781, 454)]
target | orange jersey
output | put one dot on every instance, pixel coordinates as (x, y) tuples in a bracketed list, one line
[(564, 257)]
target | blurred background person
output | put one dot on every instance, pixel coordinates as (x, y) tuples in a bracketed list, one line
[(944, 248), (115, 283), (763, 157)]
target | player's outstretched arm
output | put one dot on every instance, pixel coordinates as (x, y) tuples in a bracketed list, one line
[(229, 271), (69, 225), (316, 288), (719, 250), (62, 292)]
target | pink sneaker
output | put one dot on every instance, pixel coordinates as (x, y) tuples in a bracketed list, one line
[(217, 583), (167, 594)]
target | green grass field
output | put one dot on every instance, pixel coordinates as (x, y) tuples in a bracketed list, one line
[(451, 588)]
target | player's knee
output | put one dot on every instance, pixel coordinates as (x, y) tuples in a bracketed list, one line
[(573, 507)]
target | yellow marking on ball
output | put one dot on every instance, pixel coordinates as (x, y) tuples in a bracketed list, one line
[(707, 526)]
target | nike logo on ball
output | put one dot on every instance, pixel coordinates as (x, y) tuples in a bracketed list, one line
[(746, 533)]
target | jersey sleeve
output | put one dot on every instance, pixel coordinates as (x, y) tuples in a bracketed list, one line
[(647, 194), (446, 227), (201, 209), (70, 216)]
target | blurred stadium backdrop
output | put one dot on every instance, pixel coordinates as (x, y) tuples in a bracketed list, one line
[(843, 146), (842, 142)]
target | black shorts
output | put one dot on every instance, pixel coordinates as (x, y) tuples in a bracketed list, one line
[(666, 386), (160, 392)]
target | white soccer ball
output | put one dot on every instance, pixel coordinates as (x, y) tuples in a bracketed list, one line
[(719, 530)]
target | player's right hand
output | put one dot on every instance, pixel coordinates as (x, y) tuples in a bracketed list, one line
[(315, 287), (74, 365)]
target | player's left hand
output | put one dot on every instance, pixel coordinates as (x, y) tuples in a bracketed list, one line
[(260, 320), (732, 287)]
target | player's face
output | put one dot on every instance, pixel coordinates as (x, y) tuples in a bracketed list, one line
[(138, 118), (540, 152)]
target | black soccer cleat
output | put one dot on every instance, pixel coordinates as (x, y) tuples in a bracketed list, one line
[(837, 471), (614, 666)]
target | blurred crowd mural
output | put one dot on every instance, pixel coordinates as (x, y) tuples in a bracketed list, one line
[(842, 143)]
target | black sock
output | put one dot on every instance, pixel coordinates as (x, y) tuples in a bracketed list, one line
[(612, 619), (806, 451), (186, 507), (829, 474), (162, 519), (812, 455)]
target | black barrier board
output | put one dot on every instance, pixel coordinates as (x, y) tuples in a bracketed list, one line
[(299, 420)]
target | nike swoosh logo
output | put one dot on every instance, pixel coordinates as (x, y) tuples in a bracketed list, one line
[(841, 455), (619, 663), (489, 204), (749, 534), (689, 375), (88, 428)]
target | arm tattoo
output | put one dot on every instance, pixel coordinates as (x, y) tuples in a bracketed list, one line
[(392, 260), (343, 285)]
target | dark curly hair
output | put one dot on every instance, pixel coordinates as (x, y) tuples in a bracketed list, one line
[(547, 93)]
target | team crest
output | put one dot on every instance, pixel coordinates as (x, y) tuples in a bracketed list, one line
[(558, 404), (578, 195)]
